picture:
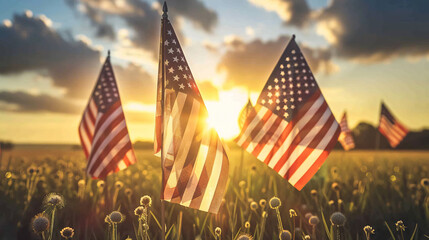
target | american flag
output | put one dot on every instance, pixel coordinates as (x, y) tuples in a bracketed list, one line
[(291, 129), (103, 131), (195, 163), (391, 128), (346, 137)]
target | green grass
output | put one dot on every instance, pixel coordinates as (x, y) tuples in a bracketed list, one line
[(375, 187)]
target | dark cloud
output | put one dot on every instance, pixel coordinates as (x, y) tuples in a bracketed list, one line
[(249, 64), (24, 102), (144, 19), (369, 30), (30, 45), (293, 12), (208, 90)]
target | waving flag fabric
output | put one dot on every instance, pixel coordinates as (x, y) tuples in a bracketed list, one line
[(391, 128), (291, 128), (346, 137), (103, 131), (195, 163)]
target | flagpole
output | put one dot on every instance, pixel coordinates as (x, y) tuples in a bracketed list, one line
[(164, 19)]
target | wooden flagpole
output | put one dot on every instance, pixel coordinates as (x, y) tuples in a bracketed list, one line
[(164, 19)]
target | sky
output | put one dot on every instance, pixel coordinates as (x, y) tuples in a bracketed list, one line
[(360, 51)]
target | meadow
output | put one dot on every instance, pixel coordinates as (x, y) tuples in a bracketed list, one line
[(376, 189)]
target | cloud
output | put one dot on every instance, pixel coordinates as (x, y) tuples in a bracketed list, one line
[(208, 90), (144, 18), (293, 12), (369, 31), (249, 64), (24, 102), (211, 47), (28, 44)]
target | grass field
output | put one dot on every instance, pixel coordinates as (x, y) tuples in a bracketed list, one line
[(369, 188)]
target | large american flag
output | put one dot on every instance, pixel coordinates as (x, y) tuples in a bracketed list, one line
[(195, 163), (291, 129), (103, 131), (346, 137), (391, 128)]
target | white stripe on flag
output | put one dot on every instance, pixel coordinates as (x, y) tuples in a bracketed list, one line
[(267, 125), (252, 125)]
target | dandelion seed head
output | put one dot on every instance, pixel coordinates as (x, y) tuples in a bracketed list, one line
[(116, 217), (54, 199), (285, 235), (40, 223), (245, 237), (146, 201), (242, 184), (119, 185), (308, 216), (336, 187), (81, 183), (253, 206), (292, 213), (400, 226), (307, 237), (218, 231), (262, 203), (247, 224), (275, 202), (8, 175), (100, 184), (368, 230), (425, 182), (139, 211), (67, 232), (338, 219), (313, 220)]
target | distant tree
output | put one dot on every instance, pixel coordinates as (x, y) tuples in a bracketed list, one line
[(4, 145)]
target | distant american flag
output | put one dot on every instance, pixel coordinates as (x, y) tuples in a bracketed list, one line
[(291, 129), (195, 164), (346, 137), (103, 131), (391, 128)]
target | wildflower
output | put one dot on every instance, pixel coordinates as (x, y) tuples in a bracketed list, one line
[(253, 206), (67, 232), (262, 203), (331, 203), (245, 237), (119, 185), (247, 224), (338, 219), (116, 217), (285, 235), (55, 200), (8, 175), (146, 201), (128, 238), (313, 193), (218, 231), (275, 203), (313, 220), (292, 213), (242, 184), (40, 223), (139, 211), (307, 237), (425, 182), (400, 226)]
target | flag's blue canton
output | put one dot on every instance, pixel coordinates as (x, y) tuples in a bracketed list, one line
[(387, 114), (106, 92), (290, 84), (178, 74)]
